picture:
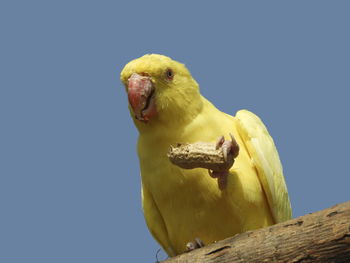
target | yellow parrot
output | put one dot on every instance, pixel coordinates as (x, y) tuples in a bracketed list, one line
[(180, 205)]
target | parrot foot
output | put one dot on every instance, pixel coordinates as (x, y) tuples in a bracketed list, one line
[(197, 243), (230, 149)]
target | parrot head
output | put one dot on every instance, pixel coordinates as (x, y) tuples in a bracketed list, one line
[(160, 90)]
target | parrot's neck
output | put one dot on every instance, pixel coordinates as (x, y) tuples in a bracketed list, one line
[(172, 122), (198, 123)]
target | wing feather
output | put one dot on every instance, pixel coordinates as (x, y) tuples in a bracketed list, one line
[(265, 158)]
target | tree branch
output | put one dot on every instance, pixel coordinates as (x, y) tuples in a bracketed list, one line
[(323, 236)]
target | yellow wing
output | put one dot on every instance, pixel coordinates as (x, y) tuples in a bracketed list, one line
[(265, 159), (155, 221)]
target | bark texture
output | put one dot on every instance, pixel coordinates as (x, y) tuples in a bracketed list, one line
[(323, 236)]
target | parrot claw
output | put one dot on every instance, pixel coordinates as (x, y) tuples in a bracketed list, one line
[(219, 142), (230, 149), (197, 243)]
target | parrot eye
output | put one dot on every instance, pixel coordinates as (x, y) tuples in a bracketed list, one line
[(169, 74)]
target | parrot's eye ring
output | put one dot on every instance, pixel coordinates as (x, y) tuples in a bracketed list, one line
[(169, 74)]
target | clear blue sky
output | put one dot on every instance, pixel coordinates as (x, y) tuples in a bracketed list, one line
[(69, 173)]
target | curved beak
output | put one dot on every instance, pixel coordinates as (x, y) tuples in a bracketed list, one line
[(141, 97)]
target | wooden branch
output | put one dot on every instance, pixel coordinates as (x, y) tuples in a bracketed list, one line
[(199, 155), (323, 236)]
